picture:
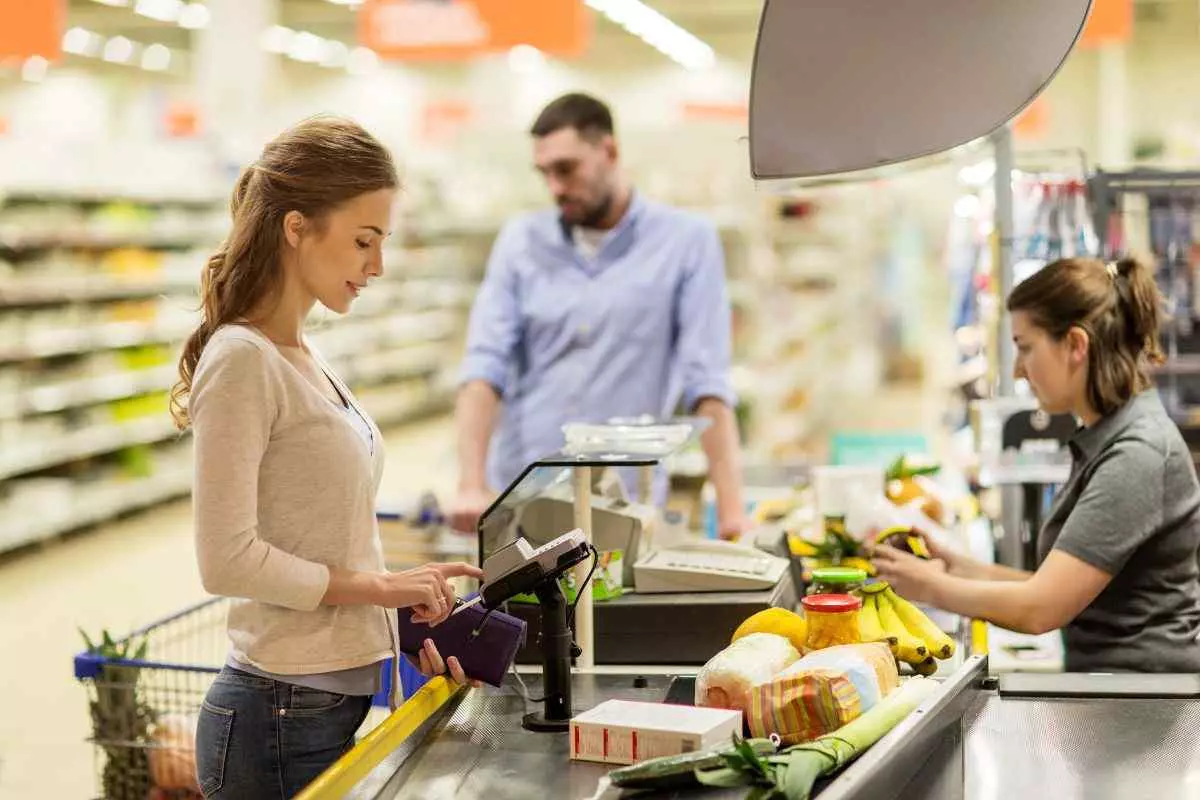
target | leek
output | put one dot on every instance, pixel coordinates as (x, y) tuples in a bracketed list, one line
[(829, 753)]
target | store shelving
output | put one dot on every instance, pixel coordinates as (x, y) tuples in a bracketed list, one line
[(97, 504), (84, 304), (87, 443), (39, 292), (52, 397)]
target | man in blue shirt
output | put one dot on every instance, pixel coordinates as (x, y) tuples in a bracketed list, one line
[(609, 306)]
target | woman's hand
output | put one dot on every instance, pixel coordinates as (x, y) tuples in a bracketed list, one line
[(431, 664), (913, 578), (426, 590)]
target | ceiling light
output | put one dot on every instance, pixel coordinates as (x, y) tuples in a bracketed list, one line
[(306, 47), (118, 50), (524, 59), (81, 42), (195, 16), (160, 10), (362, 61), (156, 58), (349, 3), (113, 3), (336, 55), (277, 39), (657, 31), (34, 69)]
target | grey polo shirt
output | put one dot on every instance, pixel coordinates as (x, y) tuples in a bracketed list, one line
[(1130, 508)]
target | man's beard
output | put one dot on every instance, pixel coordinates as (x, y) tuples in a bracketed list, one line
[(596, 214)]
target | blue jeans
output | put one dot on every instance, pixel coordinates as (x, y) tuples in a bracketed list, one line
[(261, 739)]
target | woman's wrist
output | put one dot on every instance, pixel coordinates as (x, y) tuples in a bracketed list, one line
[(354, 588)]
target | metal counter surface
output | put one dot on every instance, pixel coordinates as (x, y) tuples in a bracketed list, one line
[(478, 749), (475, 747), (1082, 749)]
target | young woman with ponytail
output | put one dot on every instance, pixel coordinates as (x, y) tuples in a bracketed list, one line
[(287, 467), (1118, 551)]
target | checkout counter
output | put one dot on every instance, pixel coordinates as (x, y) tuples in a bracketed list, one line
[(978, 736), (1098, 737)]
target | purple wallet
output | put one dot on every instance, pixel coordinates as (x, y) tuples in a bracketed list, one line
[(484, 644)]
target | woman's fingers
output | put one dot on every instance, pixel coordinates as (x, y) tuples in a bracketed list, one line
[(435, 658), (447, 595), (456, 670), (457, 569)]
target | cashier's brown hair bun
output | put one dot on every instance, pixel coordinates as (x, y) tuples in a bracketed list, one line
[(312, 168), (1119, 307)]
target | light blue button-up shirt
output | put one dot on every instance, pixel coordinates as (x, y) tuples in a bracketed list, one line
[(643, 326)]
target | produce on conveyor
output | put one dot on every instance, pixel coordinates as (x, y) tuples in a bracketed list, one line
[(726, 680), (913, 636), (791, 773), (822, 692), (779, 621), (677, 772)]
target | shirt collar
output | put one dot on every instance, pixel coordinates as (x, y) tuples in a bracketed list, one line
[(637, 207), (1087, 443)]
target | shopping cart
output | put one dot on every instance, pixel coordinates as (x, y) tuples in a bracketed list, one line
[(144, 694)]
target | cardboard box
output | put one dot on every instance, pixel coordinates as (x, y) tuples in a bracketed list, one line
[(625, 732)]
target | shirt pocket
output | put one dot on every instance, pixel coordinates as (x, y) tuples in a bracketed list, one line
[(552, 314), (642, 310)]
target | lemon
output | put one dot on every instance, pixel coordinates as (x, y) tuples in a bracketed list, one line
[(778, 621)]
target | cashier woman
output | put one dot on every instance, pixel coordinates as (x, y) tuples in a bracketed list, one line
[(1118, 552), (611, 305)]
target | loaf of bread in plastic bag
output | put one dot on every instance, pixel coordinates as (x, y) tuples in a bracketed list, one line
[(727, 679), (822, 692)]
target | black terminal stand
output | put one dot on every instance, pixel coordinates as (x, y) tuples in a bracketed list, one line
[(555, 715)]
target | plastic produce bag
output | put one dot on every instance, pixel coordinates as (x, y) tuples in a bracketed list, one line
[(822, 692), (728, 678)]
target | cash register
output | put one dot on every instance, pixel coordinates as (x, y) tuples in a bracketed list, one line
[(684, 596)]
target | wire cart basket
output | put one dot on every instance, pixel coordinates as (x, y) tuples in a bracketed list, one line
[(144, 694), (145, 689)]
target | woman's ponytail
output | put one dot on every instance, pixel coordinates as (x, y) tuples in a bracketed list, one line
[(1141, 302), (1119, 307)]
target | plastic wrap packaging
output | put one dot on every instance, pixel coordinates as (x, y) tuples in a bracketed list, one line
[(822, 692), (727, 680)]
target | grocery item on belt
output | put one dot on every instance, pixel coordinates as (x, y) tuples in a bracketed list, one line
[(832, 620), (822, 692), (915, 639), (729, 676), (779, 621)]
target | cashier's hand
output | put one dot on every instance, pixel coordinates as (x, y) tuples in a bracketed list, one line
[(731, 529), (467, 507), (431, 663), (913, 578), (426, 590)]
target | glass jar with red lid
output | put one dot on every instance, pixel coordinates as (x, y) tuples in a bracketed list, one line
[(832, 619)]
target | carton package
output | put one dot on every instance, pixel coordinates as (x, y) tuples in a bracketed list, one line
[(627, 732)]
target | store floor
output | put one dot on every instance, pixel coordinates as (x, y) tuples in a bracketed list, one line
[(118, 577)]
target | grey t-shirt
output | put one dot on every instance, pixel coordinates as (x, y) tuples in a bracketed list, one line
[(1130, 508)]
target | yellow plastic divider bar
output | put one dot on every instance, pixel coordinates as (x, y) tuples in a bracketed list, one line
[(346, 773), (979, 638)]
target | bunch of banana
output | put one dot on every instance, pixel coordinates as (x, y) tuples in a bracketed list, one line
[(904, 538), (914, 639)]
